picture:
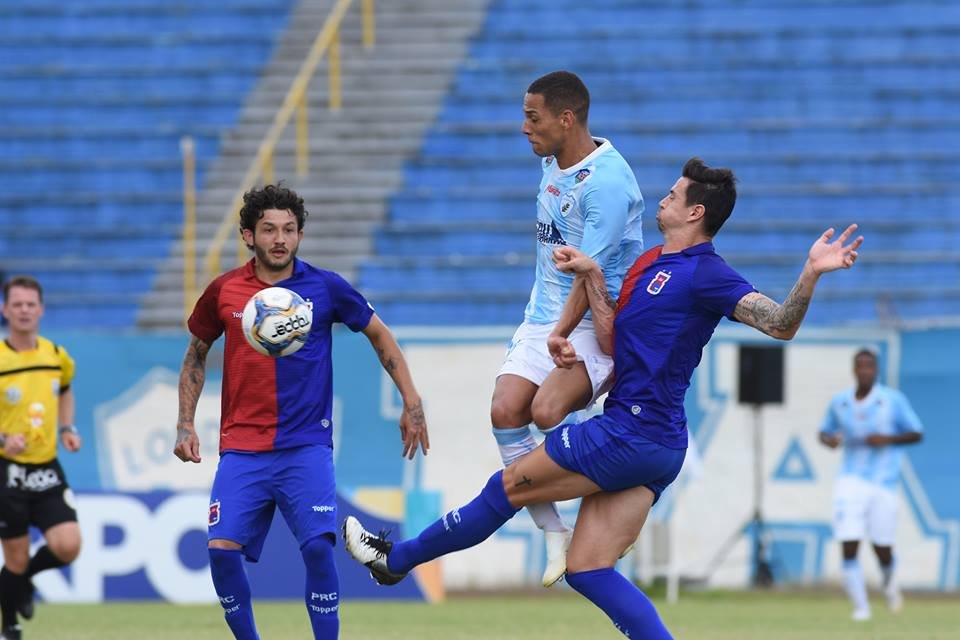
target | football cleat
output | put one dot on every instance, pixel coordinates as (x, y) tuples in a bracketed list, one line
[(11, 633), (25, 606), (860, 615), (894, 598), (557, 543), (370, 550)]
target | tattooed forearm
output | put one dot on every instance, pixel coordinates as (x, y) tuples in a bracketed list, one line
[(778, 320), (192, 376), (388, 361), (601, 293), (525, 481)]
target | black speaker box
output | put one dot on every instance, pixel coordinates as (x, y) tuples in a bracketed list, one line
[(761, 374)]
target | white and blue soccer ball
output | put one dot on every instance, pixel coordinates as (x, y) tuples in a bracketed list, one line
[(276, 321)]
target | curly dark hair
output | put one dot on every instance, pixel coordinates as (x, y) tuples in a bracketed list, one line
[(277, 196), (715, 189)]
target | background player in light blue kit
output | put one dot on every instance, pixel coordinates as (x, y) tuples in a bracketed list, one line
[(871, 421), (589, 199)]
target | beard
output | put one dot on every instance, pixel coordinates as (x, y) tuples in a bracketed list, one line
[(271, 263)]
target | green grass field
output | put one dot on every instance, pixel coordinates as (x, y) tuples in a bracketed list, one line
[(706, 616)]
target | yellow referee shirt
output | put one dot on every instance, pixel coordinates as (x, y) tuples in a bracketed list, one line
[(30, 386)]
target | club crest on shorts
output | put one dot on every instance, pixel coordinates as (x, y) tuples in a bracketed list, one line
[(656, 285), (214, 516)]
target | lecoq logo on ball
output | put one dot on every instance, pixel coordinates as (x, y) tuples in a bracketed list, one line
[(276, 321)]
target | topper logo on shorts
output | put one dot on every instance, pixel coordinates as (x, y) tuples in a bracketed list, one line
[(214, 516)]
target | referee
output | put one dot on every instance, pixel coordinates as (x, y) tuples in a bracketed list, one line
[(35, 376)]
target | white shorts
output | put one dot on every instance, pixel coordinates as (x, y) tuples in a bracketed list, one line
[(863, 509), (528, 357)]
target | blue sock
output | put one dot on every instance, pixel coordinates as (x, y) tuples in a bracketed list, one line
[(459, 529), (323, 588), (230, 581), (630, 610)]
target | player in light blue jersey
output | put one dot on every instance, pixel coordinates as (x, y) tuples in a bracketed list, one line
[(872, 422), (588, 199)]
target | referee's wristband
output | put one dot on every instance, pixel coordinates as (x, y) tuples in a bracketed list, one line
[(69, 428)]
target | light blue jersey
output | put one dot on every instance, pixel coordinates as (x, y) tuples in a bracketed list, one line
[(594, 206), (885, 411)]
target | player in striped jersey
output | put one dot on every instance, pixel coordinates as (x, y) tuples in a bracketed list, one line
[(276, 423)]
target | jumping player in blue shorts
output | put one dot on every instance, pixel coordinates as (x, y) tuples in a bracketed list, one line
[(276, 423), (620, 461)]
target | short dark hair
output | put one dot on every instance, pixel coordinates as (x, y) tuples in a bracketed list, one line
[(715, 189), (277, 196), (865, 351), (24, 282), (563, 90)]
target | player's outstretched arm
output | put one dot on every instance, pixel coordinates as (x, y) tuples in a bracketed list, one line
[(193, 373), (602, 305), (413, 424), (783, 320)]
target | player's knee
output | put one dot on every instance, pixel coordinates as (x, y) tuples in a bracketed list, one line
[(580, 562), (318, 553), (547, 416), (505, 416), (67, 550), (219, 543)]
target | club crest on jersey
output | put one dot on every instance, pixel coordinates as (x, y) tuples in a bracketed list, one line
[(582, 175), (567, 203), (214, 516), (656, 285)]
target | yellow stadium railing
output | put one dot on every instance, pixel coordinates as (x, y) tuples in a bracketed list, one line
[(326, 43)]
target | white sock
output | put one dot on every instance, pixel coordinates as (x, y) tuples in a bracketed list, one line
[(513, 445), (855, 585)]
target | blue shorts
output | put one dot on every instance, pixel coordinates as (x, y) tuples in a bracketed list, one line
[(613, 456), (248, 486)]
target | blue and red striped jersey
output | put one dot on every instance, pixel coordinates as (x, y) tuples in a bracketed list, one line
[(277, 403)]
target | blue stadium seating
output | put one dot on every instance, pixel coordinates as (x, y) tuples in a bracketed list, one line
[(828, 112), (94, 98)]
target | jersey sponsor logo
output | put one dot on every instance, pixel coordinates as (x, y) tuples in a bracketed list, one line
[(322, 508), (13, 395), (565, 436), (548, 160), (553, 190), (659, 280), (237, 314), (214, 516), (55, 386), (582, 175), (547, 233), (567, 203)]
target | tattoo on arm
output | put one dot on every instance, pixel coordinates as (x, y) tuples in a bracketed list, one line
[(388, 361), (416, 414), (525, 481), (192, 376), (761, 312), (601, 293)]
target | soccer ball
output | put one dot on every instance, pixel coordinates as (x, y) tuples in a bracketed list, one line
[(276, 321)]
